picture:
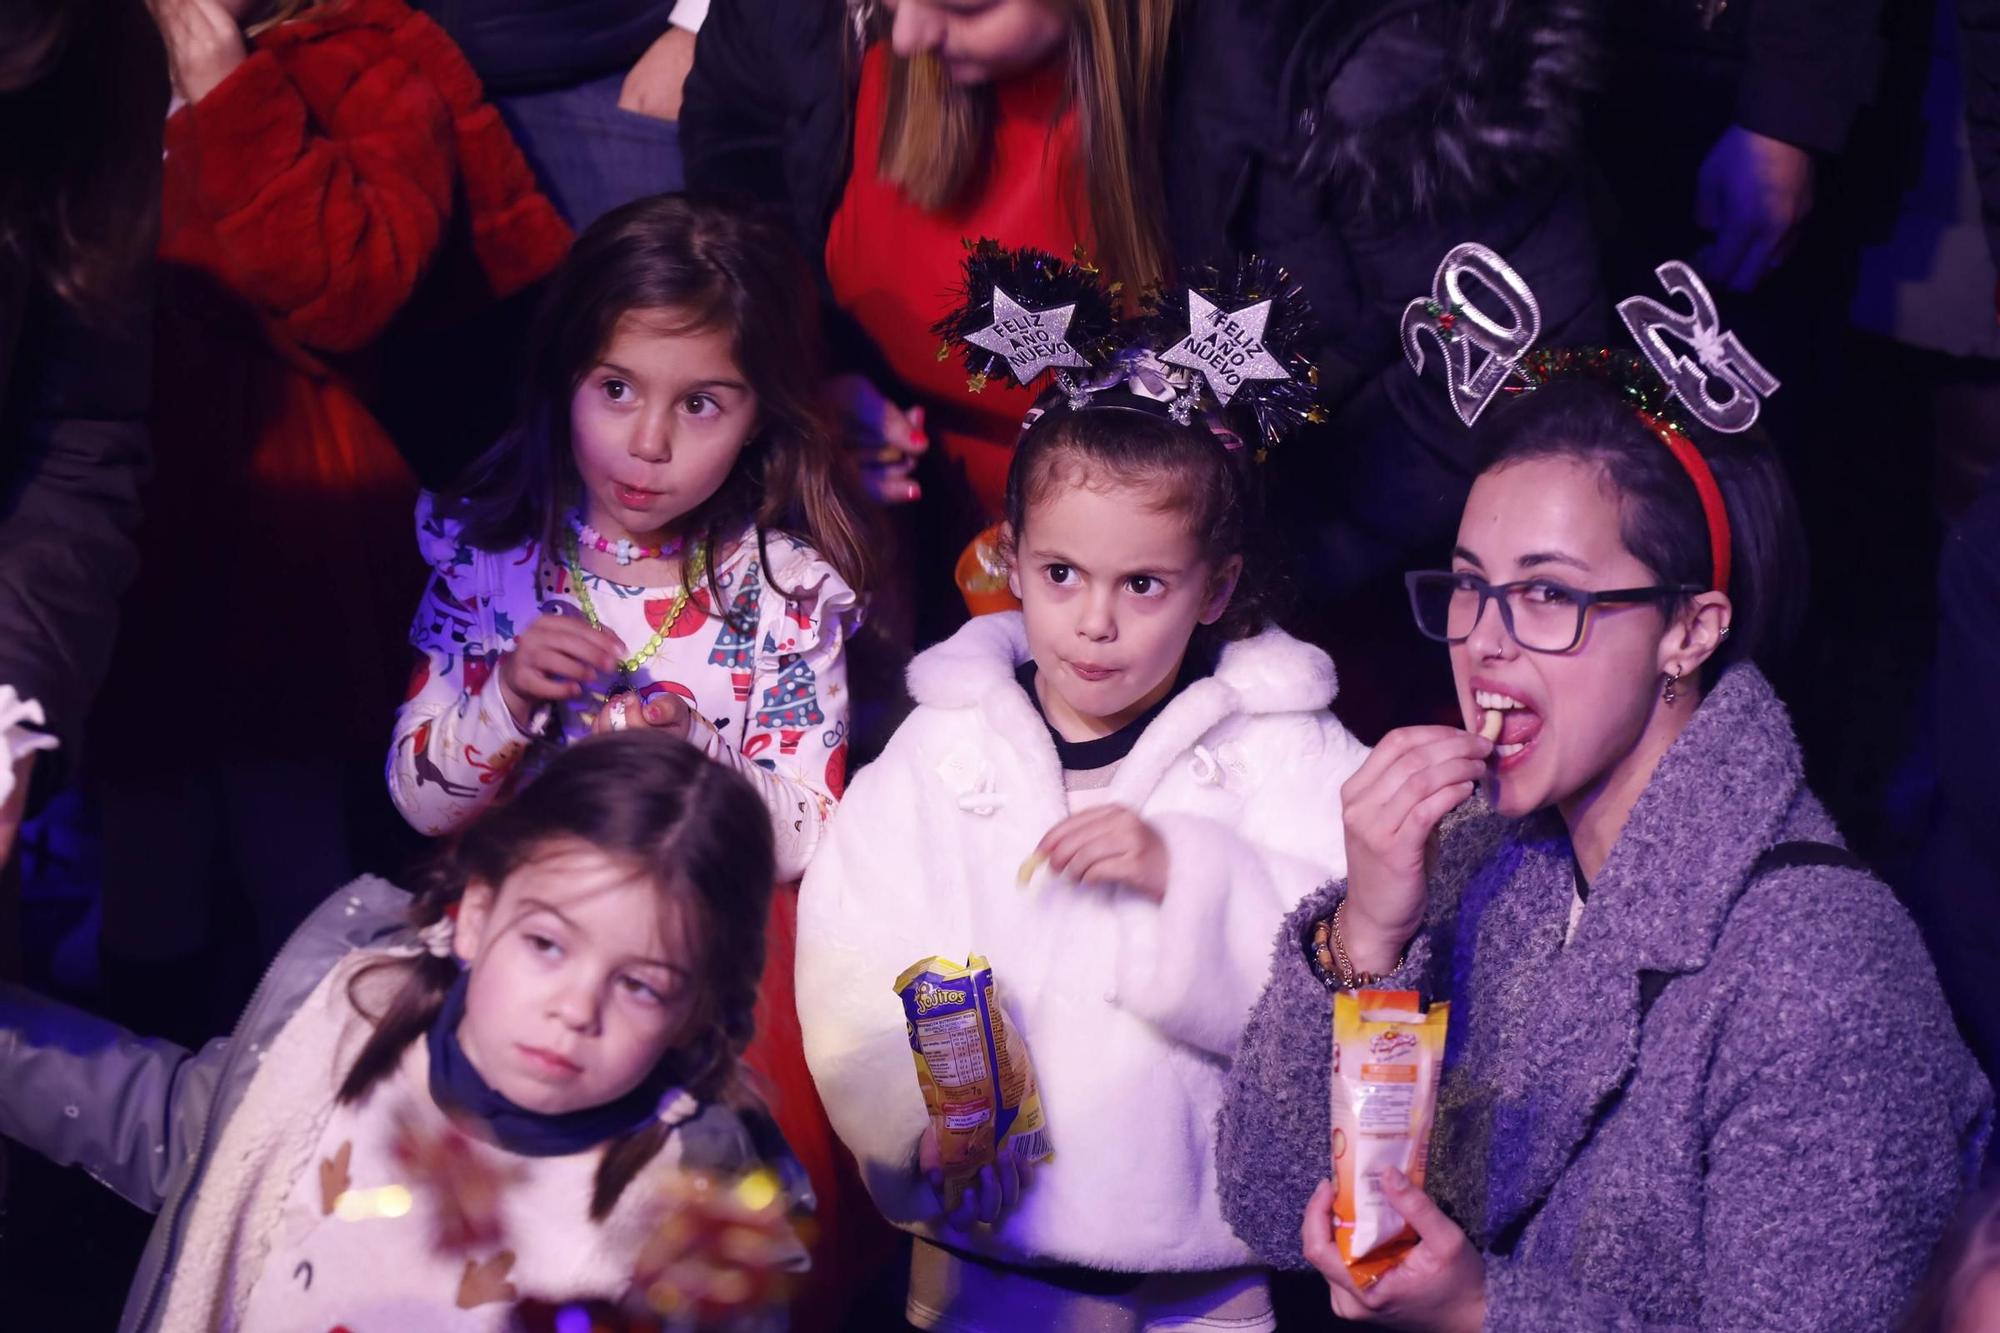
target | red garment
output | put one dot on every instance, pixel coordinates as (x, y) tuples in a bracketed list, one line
[(348, 162), (899, 269), (849, 1240)]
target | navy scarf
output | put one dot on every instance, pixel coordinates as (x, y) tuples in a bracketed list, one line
[(457, 1087)]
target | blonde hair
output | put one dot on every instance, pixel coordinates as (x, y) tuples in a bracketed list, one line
[(935, 134)]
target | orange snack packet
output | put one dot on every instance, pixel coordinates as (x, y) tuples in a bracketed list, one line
[(1387, 1051)]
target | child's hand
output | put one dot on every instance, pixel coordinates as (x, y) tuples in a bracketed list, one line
[(986, 1197), (204, 43), (551, 661), (666, 712), (1440, 1287), (1108, 845)]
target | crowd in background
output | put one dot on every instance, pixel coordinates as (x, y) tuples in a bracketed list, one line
[(269, 270)]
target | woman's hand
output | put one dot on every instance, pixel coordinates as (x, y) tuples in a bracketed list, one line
[(887, 440), (551, 661), (1389, 809), (986, 1197), (1753, 193), (204, 43), (655, 83), (1108, 844), (1439, 1287), (664, 712)]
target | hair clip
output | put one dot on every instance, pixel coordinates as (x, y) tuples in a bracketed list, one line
[(1718, 355), (1459, 327), (438, 936)]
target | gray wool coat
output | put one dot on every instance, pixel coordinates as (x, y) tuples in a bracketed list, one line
[(1730, 1102)]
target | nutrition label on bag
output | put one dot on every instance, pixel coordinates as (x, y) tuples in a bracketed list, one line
[(955, 1046), (974, 1073), (1384, 1098)]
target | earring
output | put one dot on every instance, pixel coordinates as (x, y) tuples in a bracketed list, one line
[(1673, 679), (1725, 632)]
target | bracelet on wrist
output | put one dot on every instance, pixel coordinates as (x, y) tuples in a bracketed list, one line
[(1335, 966)]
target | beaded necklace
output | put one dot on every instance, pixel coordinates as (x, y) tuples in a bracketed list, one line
[(624, 550), (696, 570)]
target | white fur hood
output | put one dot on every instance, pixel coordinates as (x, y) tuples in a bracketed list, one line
[(1269, 673)]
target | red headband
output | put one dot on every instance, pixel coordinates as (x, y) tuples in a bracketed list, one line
[(1712, 507)]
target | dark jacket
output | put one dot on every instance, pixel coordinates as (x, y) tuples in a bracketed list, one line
[(1796, 70), (1730, 1102), (520, 46), (1353, 142), (74, 454), (1979, 23)]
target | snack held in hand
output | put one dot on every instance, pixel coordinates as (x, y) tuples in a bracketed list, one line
[(977, 1080), (1387, 1051)]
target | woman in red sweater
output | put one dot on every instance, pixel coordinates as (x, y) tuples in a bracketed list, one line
[(1032, 123), (332, 171)]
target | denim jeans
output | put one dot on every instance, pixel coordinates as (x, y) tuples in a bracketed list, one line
[(589, 154)]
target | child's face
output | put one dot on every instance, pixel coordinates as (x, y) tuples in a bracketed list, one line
[(657, 424), (1112, 588), (580, 982), (1582, 714)]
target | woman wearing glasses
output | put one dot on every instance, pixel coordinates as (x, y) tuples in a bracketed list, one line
[(1700, 1074)]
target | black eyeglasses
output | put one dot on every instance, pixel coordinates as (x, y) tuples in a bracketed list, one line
[(1541, 615)]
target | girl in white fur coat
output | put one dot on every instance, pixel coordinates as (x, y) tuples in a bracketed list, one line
[(1167, 765)]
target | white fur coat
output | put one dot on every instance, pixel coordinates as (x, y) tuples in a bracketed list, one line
[(1130, 1009)]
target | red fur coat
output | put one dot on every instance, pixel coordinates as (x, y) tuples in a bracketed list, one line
[(349, 169)]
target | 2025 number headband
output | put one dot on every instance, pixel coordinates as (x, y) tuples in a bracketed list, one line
[(1483, 353)]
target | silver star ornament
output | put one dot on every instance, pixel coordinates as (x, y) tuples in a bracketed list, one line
[(1030, 341), (1226, 346)]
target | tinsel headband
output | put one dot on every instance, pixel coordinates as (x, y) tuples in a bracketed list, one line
[(1196, 353), (1484, 354)]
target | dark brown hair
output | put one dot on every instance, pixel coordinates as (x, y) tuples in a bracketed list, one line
[(715, 267), (1660, 515), (695, 828), (937, 135), (1191, 473), (83, 87)]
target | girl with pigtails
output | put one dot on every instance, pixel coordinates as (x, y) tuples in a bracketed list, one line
[(1114, 794), (439, 1107)]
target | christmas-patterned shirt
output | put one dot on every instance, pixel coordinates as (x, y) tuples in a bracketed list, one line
[(764, 674)]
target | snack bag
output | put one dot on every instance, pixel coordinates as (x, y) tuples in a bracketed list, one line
[(977, 1081), (1387, 1050)]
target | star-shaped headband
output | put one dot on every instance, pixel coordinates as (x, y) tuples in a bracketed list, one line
[(1484, 352), (1193, 352)]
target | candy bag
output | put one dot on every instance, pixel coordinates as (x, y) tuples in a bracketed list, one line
[(977, 1081), (1387, 1050)]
